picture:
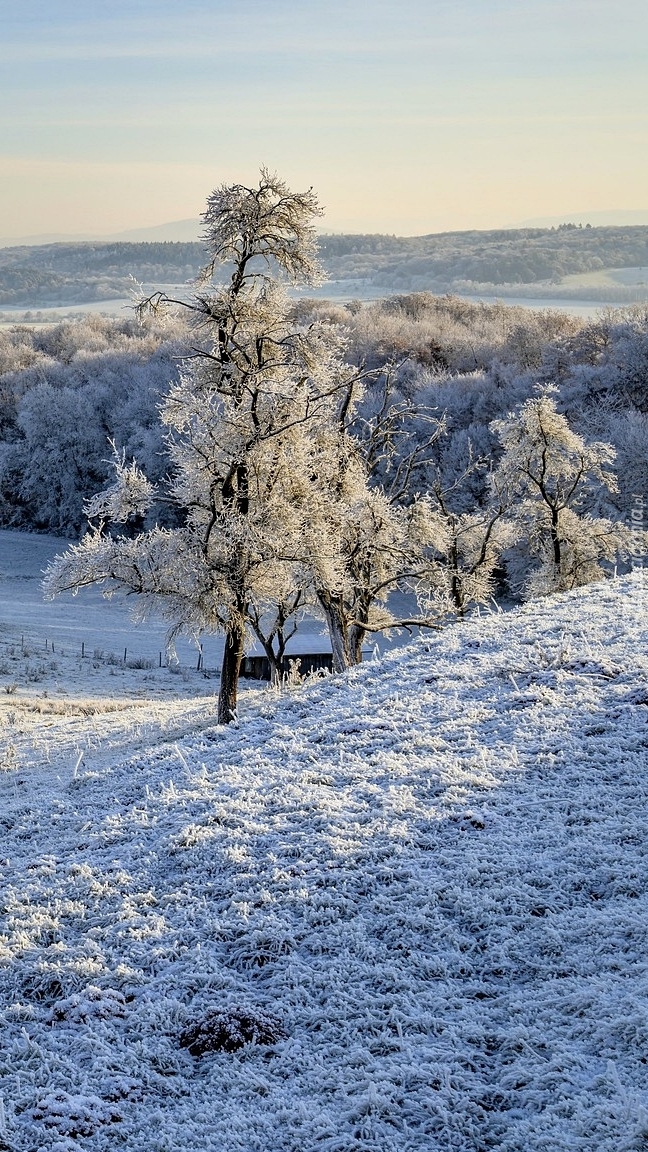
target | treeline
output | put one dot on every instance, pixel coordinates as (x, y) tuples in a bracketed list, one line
[(51, 274), (66, 274), (447, 260), (68, 391)]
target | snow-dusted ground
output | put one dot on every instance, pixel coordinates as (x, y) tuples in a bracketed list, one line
[(431, 872), (64, 685)]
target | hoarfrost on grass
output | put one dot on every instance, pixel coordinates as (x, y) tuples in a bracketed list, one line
[(430, 875)]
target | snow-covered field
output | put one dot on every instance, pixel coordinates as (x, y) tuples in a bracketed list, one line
[(64, 663), (609, 278), (425, 882), (64, 684), (88, 619)]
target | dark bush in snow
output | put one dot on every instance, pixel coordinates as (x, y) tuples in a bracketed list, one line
[(228, 1031)]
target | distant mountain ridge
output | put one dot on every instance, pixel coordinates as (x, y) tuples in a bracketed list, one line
[(621, 218), (186, 231), (178, 231)]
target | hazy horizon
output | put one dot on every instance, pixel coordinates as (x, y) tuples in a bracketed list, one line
[(182, 230), (410, 119), (189, 230)]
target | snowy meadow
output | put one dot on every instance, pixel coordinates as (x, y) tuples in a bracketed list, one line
[(418, 890)]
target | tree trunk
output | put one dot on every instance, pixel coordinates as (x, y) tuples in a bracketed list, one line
[(456, 590), (277, 636), (555, 540), (274, 660), (356, 639), (338, 633), (230, 672)]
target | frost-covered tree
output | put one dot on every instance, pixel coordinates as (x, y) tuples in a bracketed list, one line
[(546, 474), (371, 468), (466, 543), (242, 422), (375, 556), (275, 491), (59, 456), (54, 445)]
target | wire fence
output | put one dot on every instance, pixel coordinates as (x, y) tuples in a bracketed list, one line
[(30, 647)]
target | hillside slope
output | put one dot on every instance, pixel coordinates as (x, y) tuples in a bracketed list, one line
[(75, 273), (427, 880)]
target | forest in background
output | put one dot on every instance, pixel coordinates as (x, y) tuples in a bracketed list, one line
[(466, 262), (69, 390)]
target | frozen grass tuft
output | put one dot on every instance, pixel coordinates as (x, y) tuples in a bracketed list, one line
[(230, 1030), (73, 1115)]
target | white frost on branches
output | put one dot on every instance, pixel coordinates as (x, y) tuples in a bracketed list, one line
[(131, 494), (545, 474), (270, 222)]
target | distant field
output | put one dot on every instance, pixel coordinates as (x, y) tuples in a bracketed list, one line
[(609, 277), (68, 621), (340, 292), (97, 624)]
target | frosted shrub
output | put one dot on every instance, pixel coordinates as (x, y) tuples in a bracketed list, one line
[(544, 475), (92, 1002)]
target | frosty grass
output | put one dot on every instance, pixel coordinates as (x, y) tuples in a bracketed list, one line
[(431, 872)]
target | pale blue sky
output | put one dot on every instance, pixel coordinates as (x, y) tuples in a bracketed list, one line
[(406, 116)]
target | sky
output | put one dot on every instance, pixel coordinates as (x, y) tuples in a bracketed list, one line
[(406, 116)]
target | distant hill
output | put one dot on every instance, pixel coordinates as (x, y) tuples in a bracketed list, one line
[(76, 273), (482, 261), (506, 261)]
